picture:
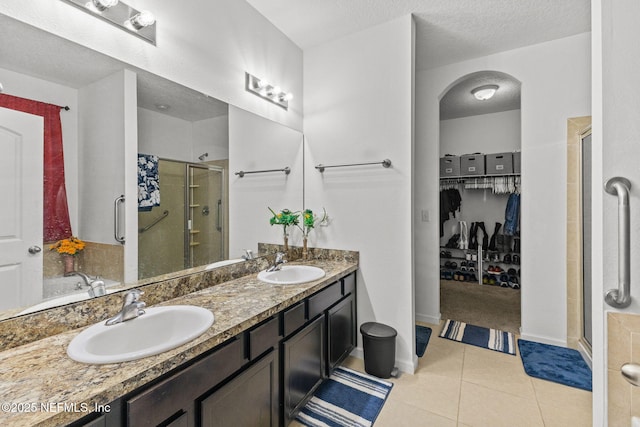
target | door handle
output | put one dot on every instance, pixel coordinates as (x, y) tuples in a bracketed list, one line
[(35, 249), (631, 373)]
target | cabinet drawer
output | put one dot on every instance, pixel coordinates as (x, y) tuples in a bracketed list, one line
[(160, 402), (264, 337), (294, 318), (324, 299), (349, 284)]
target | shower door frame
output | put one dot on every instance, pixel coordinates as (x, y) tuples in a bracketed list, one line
[(187, 206), (583, 311)]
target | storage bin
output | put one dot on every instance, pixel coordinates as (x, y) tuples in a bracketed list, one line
[(499, 163), (449, 166), (472, 164), (516, 162)]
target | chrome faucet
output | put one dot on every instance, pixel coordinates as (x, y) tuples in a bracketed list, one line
[(248, 254), (97, 287), (132, 307), (277, 263)]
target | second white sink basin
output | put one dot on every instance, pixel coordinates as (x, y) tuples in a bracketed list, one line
[(292, 275), (158, 330)]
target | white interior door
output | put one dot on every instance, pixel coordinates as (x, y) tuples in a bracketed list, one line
[(21, 186)]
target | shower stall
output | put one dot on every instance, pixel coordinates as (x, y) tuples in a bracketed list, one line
[(189, 228)]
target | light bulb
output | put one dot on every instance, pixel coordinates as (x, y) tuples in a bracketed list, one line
[(102, 5), (142, 19)]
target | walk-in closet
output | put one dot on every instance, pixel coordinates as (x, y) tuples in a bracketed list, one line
[(480, 196)]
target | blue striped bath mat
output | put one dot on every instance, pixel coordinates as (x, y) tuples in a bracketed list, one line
[(346, 398), (493, 339)]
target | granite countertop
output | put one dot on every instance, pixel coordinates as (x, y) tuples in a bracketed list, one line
[(41, 386)]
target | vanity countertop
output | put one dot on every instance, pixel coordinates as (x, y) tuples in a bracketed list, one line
[(41, 386)]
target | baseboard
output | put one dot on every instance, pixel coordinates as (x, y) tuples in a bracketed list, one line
[(434, 320), (406, 367), (543, 340)]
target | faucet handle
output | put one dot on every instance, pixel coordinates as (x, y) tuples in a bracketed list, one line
[(132, 296)]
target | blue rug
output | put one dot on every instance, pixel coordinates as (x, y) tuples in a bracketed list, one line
[(346, 398), (492, 339), (422, 339), (552, 363)]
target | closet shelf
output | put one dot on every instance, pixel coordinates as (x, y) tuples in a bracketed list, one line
[(465, 177)]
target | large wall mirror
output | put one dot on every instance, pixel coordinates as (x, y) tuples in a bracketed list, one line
[(129, 132)]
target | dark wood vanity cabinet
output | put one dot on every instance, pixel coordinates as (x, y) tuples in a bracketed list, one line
[(250, 399), (261, 377), (303, 367)]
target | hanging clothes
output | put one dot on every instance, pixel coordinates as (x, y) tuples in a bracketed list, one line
[(512, 214), (56, 223), (450, 201)]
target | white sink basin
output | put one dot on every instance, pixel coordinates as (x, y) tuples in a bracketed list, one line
[(158, 330), (292, 275)]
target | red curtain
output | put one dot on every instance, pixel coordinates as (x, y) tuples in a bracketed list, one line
[(56, 211)]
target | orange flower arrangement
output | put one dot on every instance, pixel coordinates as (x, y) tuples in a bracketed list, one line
[(70, 246)]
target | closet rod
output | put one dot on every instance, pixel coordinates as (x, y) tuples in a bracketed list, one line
[(286, 170), (385, 163)]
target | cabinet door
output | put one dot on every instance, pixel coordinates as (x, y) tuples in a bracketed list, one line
[(251, 399), (303, 366), (341, 331)]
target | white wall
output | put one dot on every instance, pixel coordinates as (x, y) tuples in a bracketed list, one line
[(256, 143), (555, 79), (485, 133), (178, 139), (24, 86), (359, 109), (204, 45)]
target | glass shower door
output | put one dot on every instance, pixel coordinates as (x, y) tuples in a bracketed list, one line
[(205, 236), (586, 239)]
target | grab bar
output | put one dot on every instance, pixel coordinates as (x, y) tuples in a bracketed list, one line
[(219, 216), (116, 221), (154, 222), (621, 297)]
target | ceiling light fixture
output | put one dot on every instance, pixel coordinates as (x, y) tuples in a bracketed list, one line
[(268, 91), (139, 23), (482, 93)]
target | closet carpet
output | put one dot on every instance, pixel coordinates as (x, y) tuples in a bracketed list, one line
[(481, 305)]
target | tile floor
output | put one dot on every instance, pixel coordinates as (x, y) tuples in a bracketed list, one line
[(462, 385)]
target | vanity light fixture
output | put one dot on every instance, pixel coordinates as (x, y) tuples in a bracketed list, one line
[(482, 93), (115, 12), (268, 91)]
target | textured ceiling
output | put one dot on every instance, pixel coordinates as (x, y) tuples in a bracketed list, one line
[(459, 102), (28, 50), (447, 31)]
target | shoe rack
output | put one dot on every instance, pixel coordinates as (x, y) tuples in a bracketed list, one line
[(483, 267)]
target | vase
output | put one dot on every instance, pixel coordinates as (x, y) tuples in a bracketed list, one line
[(305, 253), (69, 262)]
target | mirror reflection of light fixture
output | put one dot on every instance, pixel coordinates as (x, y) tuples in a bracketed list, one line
[(482, 93), (268, 91), (115, 12)]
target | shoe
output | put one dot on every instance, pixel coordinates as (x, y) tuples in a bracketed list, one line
[(516, 244), (516, 259), (473, 277), (454, 265), (485, 279), (512, 272), (447, 264), (507, 259), (492, 280), (448, 275), (513, 282)]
